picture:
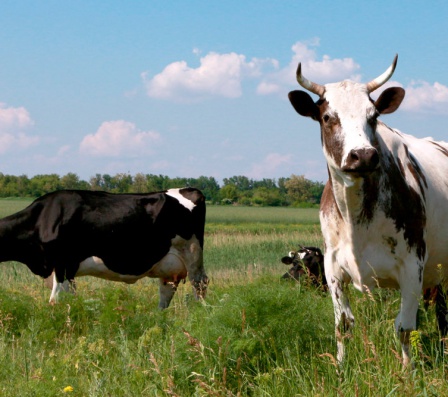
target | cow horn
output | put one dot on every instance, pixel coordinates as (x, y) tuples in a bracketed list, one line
[(309, 85), (380, 80)]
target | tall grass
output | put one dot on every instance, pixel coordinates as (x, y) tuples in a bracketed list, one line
[(255, 335)]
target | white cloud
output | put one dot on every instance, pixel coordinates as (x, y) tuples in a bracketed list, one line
[(423, 97), (217, 75), (63, 150), (222, 75), (266, 88), (119, 138), (13, 122), (321, 71), (270, 165)]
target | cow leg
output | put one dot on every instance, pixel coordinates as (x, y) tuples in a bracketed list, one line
[(344, 319), (441, 312), (406, 321), (65, 286), (166, 292)]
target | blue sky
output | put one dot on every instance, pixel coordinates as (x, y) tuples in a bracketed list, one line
[(191, 88)]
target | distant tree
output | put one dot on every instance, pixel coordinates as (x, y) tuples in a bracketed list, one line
[(157, 183), (23, 186), (208, 185), (8, 185), (108, 182), (317, 190), (302, 190), (266, 183), (96, 182), (42, 184), (228, 194), (139, 184), (70, 181), (121, 183), (267, 197), (175, 183), (281, 185), (236, 189), (240, 182)]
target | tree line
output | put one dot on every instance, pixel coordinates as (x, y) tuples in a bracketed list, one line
[(293, 191)]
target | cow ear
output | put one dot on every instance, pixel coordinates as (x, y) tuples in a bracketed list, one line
[(287, 260), (153, 204), (303, 104), (389, 100)]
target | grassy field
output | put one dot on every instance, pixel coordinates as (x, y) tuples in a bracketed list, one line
[(255, 335)]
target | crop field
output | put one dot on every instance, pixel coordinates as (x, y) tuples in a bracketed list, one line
[(254, 335)]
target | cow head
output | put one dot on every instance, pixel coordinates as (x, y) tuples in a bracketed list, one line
[(348, 120), (307, 262)]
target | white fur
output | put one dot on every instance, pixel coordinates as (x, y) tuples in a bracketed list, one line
[(182, 200)]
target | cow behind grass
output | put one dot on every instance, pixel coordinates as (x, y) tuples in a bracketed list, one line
[(306, 262)]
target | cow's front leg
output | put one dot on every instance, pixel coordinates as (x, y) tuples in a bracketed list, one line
[(441, 311), (344, 319), (64, 286), (406, 321), (196, 271), (167, 290)]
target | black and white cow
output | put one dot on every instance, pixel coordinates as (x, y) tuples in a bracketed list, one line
[(119, 237), (384, 210), (308, 262)]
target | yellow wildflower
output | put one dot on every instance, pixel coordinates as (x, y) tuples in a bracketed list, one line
[(68, 389)]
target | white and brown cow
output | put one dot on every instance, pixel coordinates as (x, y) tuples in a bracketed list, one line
[(384, 210), (119, 237)]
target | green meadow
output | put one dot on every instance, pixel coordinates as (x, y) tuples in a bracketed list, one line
[(254, 335)]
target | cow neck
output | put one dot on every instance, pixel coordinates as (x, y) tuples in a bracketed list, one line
[(6, 229), (348, 196), (13, 246)]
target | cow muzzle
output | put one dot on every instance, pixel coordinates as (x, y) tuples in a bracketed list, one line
[(200, 288), (363, 160)]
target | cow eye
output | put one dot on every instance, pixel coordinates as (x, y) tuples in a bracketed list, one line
[(372, 120), (326, 118), (374, 116)]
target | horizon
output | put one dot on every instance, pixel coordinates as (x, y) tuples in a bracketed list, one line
[(200, 89)]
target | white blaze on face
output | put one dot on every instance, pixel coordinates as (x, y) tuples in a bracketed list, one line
[(184, 201), (292, 254), (350, 101)]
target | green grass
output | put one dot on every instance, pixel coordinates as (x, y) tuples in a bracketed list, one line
[(10, 205), (255, 335), (255, 220), (265, 215)]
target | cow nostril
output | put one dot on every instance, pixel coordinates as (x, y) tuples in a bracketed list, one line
[(354, 155), (365, 159)]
